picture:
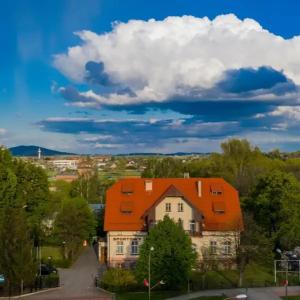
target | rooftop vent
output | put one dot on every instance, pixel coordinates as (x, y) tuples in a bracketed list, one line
[(199, 188)]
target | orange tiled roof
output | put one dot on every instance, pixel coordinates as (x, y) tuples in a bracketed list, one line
[(131, 192)]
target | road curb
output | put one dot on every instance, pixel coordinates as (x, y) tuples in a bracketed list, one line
[(30, 294)]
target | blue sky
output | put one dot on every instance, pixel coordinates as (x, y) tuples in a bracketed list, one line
[(116, 76)]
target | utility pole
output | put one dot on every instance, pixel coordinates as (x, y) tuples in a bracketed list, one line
[(149, 273)]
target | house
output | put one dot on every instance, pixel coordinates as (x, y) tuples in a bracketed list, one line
[(207, 208)]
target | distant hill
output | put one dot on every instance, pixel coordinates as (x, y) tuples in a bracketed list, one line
[(33, 151), (164, 154)]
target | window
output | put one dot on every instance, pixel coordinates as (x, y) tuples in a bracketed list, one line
[(126, 207), (216, 189), (219, 207), (194, 247), (134, 247), (192, 226), (180, 222), (168, 207), (120, 248), (227, 248), (213, 247), (180, 207)]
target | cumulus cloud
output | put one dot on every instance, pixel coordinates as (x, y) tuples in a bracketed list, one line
[(157, 61), (136, 132), (2, 131)]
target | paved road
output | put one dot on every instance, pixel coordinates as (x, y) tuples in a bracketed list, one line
[(77, 282), (271, 293)]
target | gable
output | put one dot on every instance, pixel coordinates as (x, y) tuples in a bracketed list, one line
[(129, 200)]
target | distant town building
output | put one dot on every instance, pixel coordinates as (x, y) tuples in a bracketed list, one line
[(66, 178), (207, 208), (64, 164)]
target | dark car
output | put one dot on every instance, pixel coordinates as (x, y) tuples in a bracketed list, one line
[(47, 269)]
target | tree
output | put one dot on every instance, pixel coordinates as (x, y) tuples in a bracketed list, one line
[(166, 167), (32, 191), (91, 188), (273, 199), (173, 255), (74, 223), (252, 246), (16, 261)]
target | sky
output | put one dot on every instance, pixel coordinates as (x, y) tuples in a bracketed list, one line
[(122, 76)]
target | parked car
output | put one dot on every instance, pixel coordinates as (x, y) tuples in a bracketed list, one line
[(47, 269)]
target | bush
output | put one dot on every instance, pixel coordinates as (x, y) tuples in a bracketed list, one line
[(118, 280)]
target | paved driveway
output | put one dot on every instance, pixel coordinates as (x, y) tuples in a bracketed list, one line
[(268, 293), (77, 282)]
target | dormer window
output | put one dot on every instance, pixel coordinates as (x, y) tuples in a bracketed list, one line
[(216, 189), (127, 188), (126, 207), (219, 207)]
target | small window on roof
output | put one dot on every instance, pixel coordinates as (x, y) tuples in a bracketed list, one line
[(216, 189), (126, 207), (127, 188), (219, 207)]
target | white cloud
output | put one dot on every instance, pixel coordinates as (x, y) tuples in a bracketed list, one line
[(2, 131), (291, 112), (158, 60)]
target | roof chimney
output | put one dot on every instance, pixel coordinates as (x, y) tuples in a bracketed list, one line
[(148, 185), (186, 175), (199, 188)]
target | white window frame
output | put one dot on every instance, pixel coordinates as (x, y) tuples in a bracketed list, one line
[(134, 247), (168, 207), (227, 247), (192, 224), (180, 207), (120, 248), (213, 247)]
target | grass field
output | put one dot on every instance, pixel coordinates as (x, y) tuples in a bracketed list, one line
[(158, 296), (116, 174), (56, 256), (54, 252)]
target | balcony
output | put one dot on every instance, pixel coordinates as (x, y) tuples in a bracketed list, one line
[(193, 232)]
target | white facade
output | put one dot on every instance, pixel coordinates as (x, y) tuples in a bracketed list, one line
[(65, 164), (121, 245)]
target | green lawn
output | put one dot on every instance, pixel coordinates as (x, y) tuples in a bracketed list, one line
[(56, 254), (292, 297), (158, 296), (116, 174)]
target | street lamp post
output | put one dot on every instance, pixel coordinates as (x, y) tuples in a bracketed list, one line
[(149, 273)]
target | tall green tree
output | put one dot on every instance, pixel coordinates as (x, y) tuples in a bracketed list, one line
[(273, 201), (252, 246), (16, 261), (74, 223), (166, 167), (172, 258), (16, 248)]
